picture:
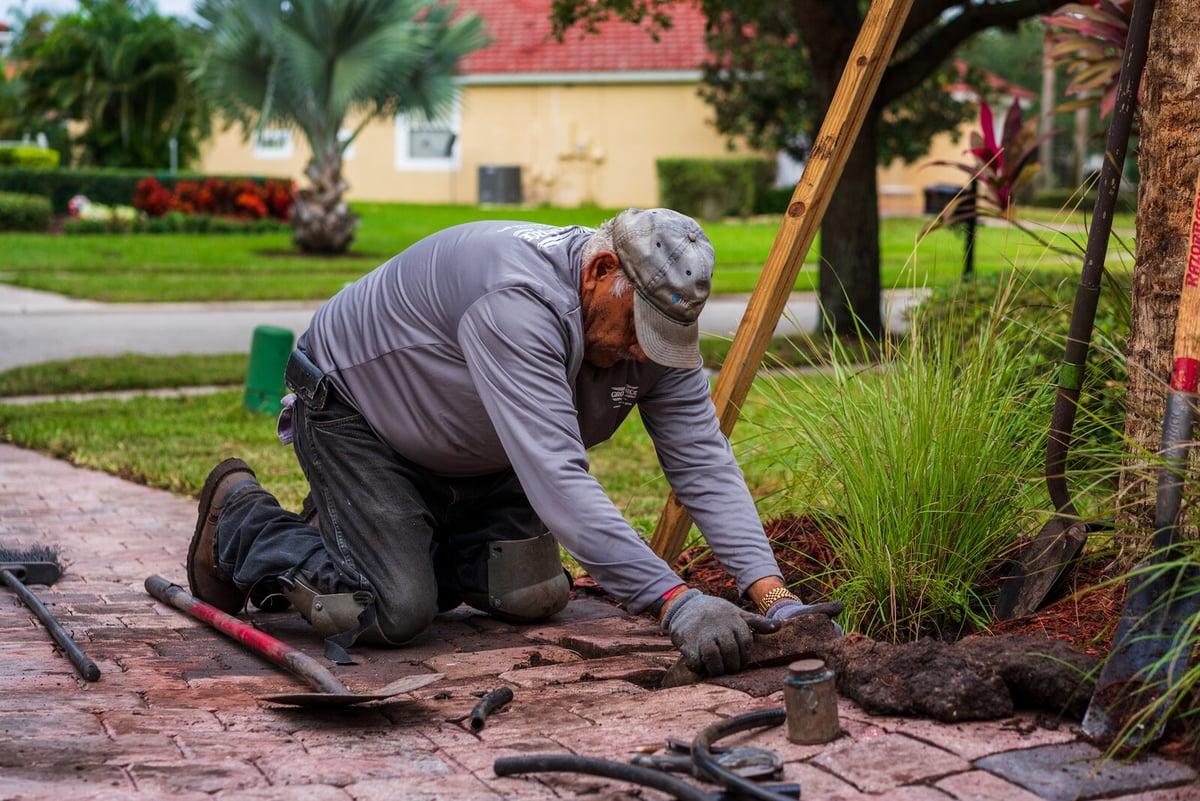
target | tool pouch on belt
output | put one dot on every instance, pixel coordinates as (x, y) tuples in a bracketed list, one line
[(342, 618), (526, 581), (310, 384)]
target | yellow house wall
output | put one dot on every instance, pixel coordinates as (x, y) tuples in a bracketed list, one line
[(901, 186), (575, 144)]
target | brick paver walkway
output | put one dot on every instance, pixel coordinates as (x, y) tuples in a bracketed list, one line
[(178, 713)]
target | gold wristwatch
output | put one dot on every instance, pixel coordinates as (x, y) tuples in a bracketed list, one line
[(773, 597)]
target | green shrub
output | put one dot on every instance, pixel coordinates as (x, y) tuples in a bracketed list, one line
[(773, 200), (21, 212), (1037, 306), (1070, 199), (107, 185), (175, 223), (28, 156), (714, 188)]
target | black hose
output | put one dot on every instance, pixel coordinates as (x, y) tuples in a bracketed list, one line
[(489, 704), (569, 763), (708, 767)]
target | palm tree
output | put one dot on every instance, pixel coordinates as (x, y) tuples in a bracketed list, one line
[(120, 69), (311, 64)]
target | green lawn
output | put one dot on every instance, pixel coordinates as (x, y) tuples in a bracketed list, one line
[(198, 267)]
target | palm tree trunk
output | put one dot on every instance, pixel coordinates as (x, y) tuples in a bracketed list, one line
[(1170, 140), (321, 220)]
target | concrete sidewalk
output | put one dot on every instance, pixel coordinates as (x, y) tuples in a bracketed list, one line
[(178, 712), (40, 326)]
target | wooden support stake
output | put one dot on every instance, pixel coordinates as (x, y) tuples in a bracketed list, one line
[(855, 93)]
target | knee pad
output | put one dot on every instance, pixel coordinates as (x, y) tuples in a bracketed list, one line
[(339, 613), (526, 580)]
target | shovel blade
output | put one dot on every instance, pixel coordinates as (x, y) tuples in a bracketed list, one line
[(398, 687), (1150, 653), (1030, 582)]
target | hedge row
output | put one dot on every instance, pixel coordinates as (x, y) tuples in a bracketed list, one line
[(28, 156), (1069, 199), (23, 212), (176, 223), (110, 186), (710, 189)]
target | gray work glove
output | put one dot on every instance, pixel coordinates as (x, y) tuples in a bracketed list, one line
[(788, 608), (713, 636)]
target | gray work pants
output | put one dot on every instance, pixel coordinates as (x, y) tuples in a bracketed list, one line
[(416, 541)]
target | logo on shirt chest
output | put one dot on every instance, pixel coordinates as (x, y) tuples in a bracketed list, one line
[(624, 396)]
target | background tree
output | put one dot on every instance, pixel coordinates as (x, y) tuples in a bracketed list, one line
[(121, 70), (773, 74), (314, 65), (1168, 163)]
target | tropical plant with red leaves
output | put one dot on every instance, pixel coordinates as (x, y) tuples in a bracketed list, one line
[(217, 197), (152, 197), (1001, 166), (1088, 40)]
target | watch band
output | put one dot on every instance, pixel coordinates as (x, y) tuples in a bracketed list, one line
[(773, 597)]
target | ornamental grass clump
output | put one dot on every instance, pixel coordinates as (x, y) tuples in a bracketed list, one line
[(923, 471)]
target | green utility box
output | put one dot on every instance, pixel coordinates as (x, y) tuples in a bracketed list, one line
[(269, 351)]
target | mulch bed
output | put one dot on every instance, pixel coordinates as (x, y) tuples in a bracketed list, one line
[(1083, 613)]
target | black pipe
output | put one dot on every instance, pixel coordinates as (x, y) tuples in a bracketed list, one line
[(489, 704), (569, 763), (708, 767)]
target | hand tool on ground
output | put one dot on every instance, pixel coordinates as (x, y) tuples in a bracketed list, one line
[(40, 566), (330, 691), (1057, 546), (1153, 644)]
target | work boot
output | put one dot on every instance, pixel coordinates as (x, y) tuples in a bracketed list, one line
[(207, 581)]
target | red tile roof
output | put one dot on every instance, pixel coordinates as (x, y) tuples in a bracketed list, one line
[(521, 42)]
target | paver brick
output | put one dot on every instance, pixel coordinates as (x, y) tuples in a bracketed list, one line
[(979, 785), (973, 740), (1076, 771), (175, 776), (483, 663), (885, 763)]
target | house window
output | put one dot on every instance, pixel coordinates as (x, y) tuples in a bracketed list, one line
[(428, 145), (273, 143)]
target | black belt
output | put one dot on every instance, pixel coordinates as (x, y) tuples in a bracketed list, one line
[(307, 380)]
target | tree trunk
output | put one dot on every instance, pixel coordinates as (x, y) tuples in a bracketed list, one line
[(321, 220), (849, 276), (1170, 142)]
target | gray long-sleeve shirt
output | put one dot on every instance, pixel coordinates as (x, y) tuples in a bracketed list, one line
[(465, 354)]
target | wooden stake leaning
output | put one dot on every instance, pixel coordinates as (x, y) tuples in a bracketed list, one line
[(855, 93)]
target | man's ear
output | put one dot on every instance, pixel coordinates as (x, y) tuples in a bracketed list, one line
[(599, 266)]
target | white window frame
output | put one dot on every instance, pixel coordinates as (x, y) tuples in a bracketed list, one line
[(407, 124), (284, 148)]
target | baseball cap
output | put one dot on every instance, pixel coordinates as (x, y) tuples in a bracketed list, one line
[(669, 260)]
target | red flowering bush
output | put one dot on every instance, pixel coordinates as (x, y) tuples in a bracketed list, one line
[(153, 198), (240, 197)]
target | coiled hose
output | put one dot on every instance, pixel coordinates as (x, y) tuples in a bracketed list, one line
[(569, 763), (701, 755), (708, 766)]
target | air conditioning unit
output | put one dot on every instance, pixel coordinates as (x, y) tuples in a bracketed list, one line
[(500, 184)]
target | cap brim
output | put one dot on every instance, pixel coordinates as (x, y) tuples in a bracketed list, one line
[(665, 341)]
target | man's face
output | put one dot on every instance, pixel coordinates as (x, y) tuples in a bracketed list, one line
[(608, 332)]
